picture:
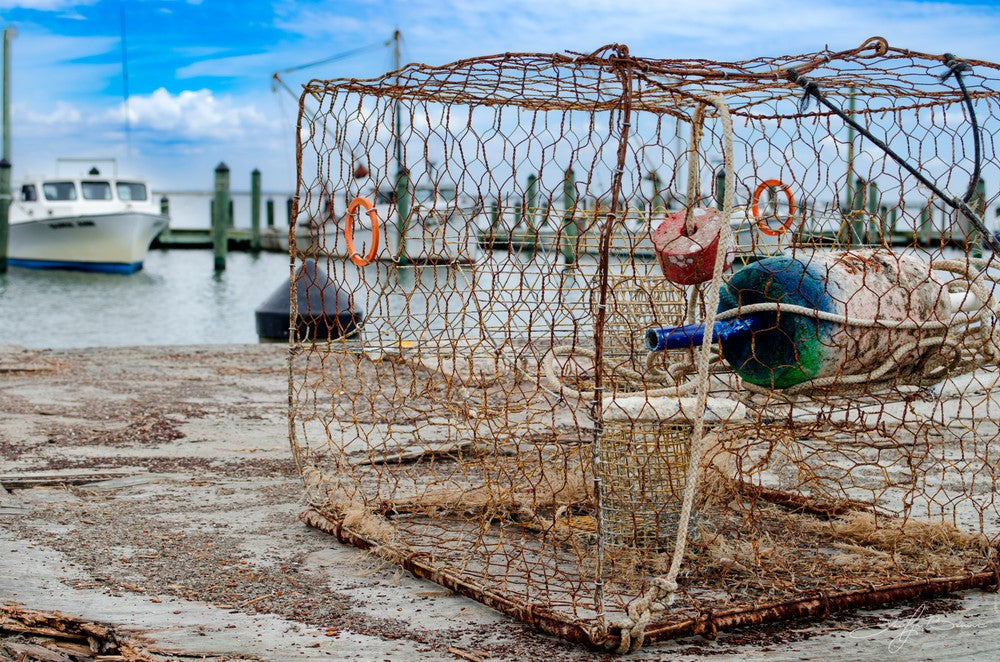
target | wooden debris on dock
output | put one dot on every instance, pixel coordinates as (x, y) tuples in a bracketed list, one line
[(22, 481), (27, 634), (17, 359)]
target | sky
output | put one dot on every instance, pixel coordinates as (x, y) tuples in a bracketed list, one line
[(199, 71)]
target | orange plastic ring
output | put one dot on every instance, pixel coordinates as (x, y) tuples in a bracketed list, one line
[(756, 210), (356, 257)]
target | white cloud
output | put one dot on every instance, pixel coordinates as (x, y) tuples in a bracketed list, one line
[(62, 114), (196, 114)]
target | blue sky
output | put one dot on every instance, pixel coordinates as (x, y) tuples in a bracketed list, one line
[(199, 71)]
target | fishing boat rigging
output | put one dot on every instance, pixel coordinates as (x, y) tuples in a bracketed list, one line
[(411, 221)]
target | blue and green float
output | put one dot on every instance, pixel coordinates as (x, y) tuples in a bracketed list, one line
[(781, 349)]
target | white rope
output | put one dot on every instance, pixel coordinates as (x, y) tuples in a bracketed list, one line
[(977, 334), (661, 593)]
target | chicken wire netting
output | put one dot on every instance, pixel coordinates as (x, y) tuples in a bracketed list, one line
[(510, 394)]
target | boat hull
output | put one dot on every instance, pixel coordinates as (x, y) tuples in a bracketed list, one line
[(114, 242)]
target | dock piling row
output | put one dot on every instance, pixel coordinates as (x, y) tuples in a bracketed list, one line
[(220, 216)]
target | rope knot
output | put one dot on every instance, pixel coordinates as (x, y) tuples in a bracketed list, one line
[(665, 585), (809, 86), (955, 66)]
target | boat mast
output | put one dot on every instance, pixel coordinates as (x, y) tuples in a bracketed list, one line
[(399, 116), (402, 200)]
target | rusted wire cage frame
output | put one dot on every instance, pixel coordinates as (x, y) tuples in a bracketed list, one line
[(660, 87)]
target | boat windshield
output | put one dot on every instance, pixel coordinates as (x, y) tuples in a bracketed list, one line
[(59, 191), (96, 190), (131, 191)]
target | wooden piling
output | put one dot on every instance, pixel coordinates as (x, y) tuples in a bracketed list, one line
[(402, 212), (255, 210), (5, 199), (494, 215), (924, 225), (849, 198), (569, 229), (874, 228), (5, 195), (531, 205), (658, 205), (220, 213), (165, 205), (270, 212), (974, 239), (8, 33), (720, 188), (856, 223), (529, 212)]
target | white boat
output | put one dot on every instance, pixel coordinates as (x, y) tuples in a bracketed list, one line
[(92, 222)]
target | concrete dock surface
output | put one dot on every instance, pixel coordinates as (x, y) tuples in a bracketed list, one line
[(151, 490)]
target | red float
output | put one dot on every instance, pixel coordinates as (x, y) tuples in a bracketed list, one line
[(688, 258)]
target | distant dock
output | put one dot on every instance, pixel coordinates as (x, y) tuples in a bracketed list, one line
[(273, 239)]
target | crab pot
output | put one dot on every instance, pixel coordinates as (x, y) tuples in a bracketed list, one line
[(644, 455), (502, 428)]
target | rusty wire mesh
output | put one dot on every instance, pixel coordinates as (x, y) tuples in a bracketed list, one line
[(496, 423)]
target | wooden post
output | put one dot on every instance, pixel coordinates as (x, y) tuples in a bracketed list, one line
[(165, 206), (402, 212), (255, 210), (220, 214), (5, 195), (494, 215), (5, 200), (569, 229), (288, 211), (849, 199), (857, 211), (270, 212), (874, 227), (720, 188), (8, 33), (657, 205), (974, 240), (531, 205), (924, 228), (530, 239)]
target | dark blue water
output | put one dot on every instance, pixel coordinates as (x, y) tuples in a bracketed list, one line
[(176, 299)]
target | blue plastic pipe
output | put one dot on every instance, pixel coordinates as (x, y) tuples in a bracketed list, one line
[(692, 335)]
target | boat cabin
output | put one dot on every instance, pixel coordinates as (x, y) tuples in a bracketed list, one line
[(68, 190)]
